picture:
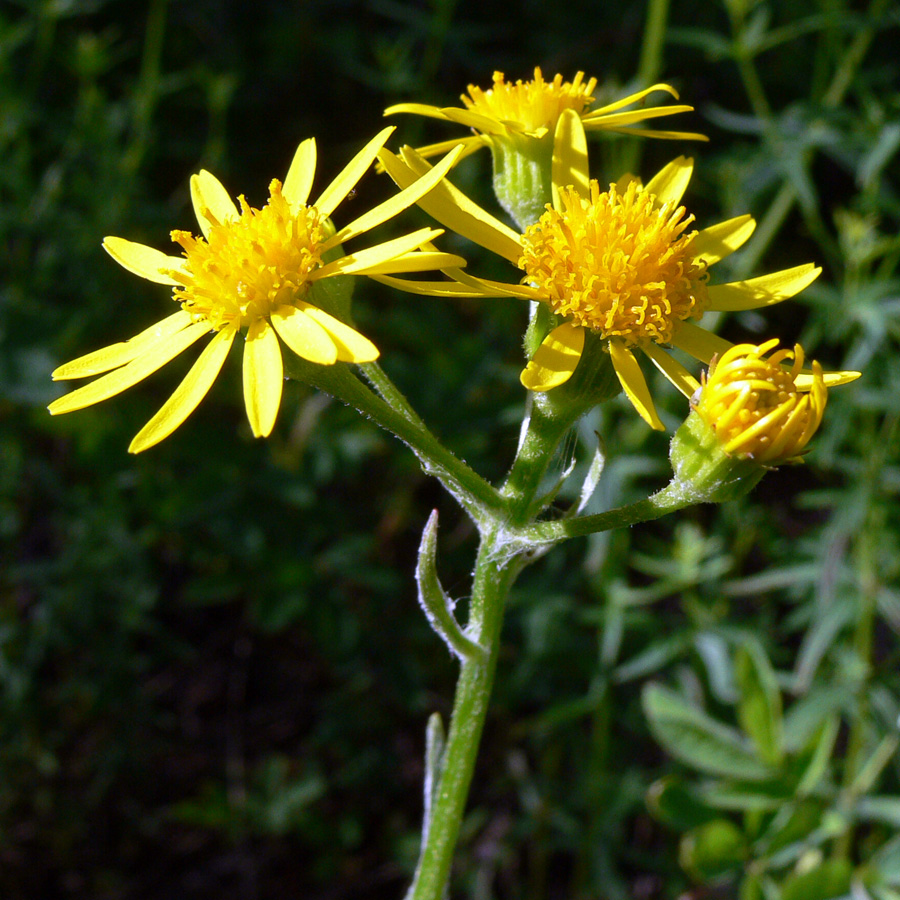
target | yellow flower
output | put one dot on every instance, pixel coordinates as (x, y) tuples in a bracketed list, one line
[(755, 405), (254, 271), (533, 108), (620, 263)]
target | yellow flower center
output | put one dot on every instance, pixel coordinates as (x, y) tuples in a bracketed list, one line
[(754, 406), (530, 105), (616, 263), (247, 267)]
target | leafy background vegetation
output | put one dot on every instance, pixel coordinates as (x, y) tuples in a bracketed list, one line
[(214, 675)]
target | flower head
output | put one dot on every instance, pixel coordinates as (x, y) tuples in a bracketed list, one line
[(622, 264), (755, 405), (254, 271), (533, 108), (617, 263)]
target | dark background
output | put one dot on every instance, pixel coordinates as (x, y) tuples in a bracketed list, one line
[(214, 675)]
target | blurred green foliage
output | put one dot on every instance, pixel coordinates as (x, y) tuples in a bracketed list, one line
[(214, 676)]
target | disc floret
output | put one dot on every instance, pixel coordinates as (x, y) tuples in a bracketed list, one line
[(618, 263), (249, 266), (530, 105)]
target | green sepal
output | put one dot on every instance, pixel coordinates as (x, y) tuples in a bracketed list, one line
[(540, 323), (522, 175), (704, 469)]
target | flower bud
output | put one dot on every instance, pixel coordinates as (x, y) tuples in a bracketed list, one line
[(755, 406), (751, 413)]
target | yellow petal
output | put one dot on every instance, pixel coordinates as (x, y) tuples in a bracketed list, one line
[(154, 356), (804, 380), (142, 260), (717, 241), (555, 360), (671, 181), (263, 374), (639, 115), (416, 261), (470, 143), (374, 257), (677, 374), (495, 288), (349, 176), (306, 337), (212, 205), (763, 291), (485, 124), (570, 156), (351, 345), (698, 342), (396, 204), (437, 288), (299, 179), (452, 208), (417, 109), (650, 133), (635, 386), (633, 98), (188, 394), (120, 354)]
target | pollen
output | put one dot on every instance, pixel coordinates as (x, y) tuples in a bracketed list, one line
[(247, 267), (531, 105), (753, 404), (618, 263)]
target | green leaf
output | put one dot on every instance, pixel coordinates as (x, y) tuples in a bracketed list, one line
[(879, 809), (767, 796), (696, 739), (713, 850), (804, 719), (673, 801), (791, 824), (829, 879), (885, 863), (819, 758), (751, 889), (759, 706)]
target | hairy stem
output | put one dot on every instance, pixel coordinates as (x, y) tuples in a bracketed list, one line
[(493, 578)]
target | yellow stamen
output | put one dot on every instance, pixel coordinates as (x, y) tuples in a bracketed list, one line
[(617, 263), (530, 105), (249, 266)]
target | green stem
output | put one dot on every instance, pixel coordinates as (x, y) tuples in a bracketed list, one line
[(389, 391), (493, 579), (853, 58), (862, 644), (473, 493), (768, 228), (674, 496), (863, 634), (148, 87), (650, 63), (543, 429)]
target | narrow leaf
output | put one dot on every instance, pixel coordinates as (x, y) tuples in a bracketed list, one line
[(759, 706), (696, 739), (436, 605)]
